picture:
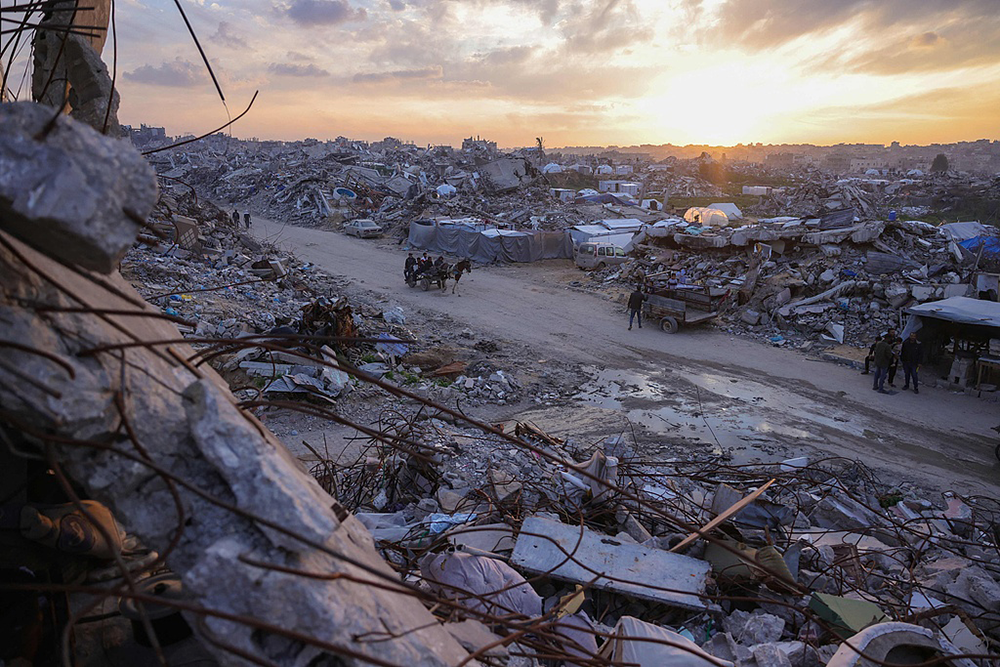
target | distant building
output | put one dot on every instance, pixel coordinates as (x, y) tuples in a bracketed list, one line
[(861, 165), (563, 194), (623, 169), (479, 145)]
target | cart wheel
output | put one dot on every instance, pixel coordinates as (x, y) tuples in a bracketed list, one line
[(669, 325), (412, 282), (425, 284)]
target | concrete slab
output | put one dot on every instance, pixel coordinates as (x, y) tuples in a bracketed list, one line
[(580, 555)]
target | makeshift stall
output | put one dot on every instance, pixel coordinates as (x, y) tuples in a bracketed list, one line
[(964, 325)]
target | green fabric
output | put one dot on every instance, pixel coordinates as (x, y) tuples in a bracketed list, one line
[(845, 617)]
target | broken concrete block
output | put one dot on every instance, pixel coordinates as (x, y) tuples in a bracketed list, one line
[(830, 250), (828, 276), (74, 194), (842, 513), (769, 655), (634, 570), (722, 645), (751, 317), (752, 629)]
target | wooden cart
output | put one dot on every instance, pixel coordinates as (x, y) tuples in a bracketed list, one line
[(687, 306)]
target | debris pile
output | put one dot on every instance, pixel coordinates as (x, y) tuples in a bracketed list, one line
[(754, 565)]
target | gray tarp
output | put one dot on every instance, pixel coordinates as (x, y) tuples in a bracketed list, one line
[(959, 309), (490, 246)]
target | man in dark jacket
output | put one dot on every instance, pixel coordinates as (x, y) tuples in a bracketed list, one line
[(635, 306), (871, 354), (411, 263), (883, 357), (910, 355)]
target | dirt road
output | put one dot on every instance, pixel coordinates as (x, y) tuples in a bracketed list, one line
[(700, 385)]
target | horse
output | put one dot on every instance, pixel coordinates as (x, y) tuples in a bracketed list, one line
[(465, 266)]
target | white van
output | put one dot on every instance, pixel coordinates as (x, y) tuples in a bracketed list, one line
[(594, 255)]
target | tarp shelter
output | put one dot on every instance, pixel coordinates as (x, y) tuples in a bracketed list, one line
[(490, 245), (711, 217), (622, 224), (990, 245), (552, 168), (731, 210), (962, 231), (583, 233), (961, 310)]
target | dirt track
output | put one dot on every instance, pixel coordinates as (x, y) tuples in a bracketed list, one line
[(701, 384)]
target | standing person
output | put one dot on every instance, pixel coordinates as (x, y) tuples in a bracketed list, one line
[(236, 217), (883, 357), (635, 307), (871, 354), (246, 219), (910, 355), (895, 342)]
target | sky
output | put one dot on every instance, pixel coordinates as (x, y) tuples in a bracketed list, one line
[(575, 72)]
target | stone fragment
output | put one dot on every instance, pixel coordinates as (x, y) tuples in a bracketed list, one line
[(74, 194), (752, 629)]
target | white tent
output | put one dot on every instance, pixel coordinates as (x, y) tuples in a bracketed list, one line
[(731, 210), (604, 169), (552, 168), (711, 217)]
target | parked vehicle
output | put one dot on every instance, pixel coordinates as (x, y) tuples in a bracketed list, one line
[(363, 228), (596, 255), (685, 305)]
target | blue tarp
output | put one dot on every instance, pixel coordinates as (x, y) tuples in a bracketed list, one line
[(990, 245)]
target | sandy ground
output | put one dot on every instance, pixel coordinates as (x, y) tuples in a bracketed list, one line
[(699, 386)]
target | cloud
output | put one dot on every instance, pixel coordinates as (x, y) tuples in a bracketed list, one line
[(604, 26), (226, 36), (762, 24), (511, 55), (433, 72), (323, 12), (293, 69), (397, 5), (176, 74)]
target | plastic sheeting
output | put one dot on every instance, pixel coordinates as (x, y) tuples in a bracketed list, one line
[(482, 584), (491, 245), (647, 645), (711, 217), (960, 309)]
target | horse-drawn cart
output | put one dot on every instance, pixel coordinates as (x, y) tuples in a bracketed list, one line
[(437, 276), (687, 305)]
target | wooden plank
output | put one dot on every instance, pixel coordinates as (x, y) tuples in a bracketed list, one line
[(732, 511)]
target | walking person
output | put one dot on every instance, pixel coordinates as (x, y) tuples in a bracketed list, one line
[(910, 355), (246, 219), (883, 357), (236, 217), (635, 301)]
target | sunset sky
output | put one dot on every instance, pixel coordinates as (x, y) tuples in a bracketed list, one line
[(577, 72)]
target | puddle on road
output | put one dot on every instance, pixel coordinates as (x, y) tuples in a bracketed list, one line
[(744, 419)]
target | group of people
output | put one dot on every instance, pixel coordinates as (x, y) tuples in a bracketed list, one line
[(887, 353), (246, 218), (416, 267)]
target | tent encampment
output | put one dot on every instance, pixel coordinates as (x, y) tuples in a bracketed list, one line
[(710, 217)]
